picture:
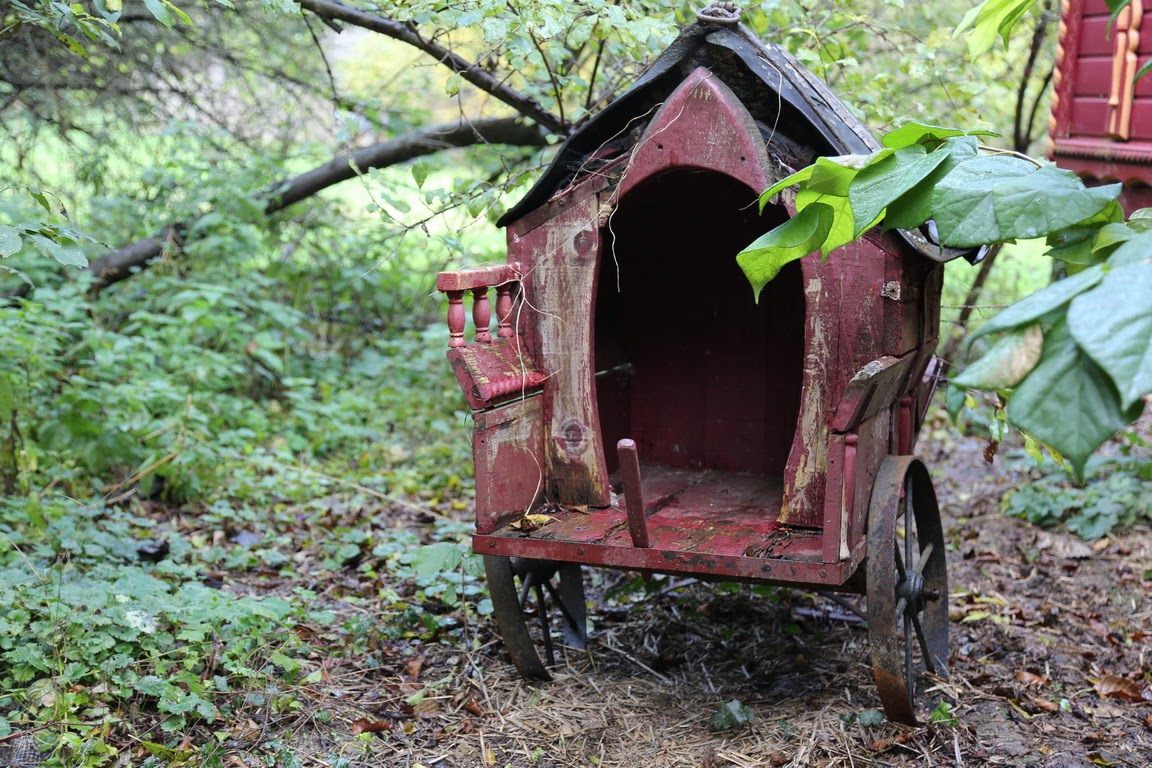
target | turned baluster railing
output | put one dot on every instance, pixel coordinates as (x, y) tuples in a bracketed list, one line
[(478, 281)]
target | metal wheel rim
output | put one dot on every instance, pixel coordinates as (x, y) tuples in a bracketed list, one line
[(565, 592), (908, 633)]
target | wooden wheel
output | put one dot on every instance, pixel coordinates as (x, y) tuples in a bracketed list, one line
[(520, 588), (907, 581)]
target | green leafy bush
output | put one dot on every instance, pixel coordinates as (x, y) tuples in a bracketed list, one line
[(1116, 500), (92, 631)]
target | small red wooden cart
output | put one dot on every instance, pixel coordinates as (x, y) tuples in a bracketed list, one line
[(635, 408)]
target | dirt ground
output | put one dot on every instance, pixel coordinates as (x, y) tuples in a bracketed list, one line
[(1051, 658)]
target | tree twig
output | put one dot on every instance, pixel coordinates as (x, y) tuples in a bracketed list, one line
[(121, 263), (1020, 138), (470, 71)]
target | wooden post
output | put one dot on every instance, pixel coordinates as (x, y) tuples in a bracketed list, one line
[(633, 495), (482, 314), (456, 319)]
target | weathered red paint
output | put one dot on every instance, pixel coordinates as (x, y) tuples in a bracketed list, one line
[(710, 525), (745, 437), (506, 447)]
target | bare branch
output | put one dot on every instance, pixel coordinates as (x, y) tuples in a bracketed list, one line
[(473, 73), (118, 264)]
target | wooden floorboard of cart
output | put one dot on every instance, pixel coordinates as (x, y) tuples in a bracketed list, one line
[(706, 523)]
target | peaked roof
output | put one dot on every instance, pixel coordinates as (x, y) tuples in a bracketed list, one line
[(790, 104)]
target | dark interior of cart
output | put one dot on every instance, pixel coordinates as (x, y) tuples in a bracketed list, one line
[(703, 378)]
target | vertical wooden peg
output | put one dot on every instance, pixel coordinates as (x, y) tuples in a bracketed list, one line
[(504, 310), (905, 434), (482, 314), (633, 496), (456, 319)]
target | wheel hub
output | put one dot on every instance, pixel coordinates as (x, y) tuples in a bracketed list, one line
[(911, 590)]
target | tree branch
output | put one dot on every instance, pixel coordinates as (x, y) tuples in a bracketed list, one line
[(1020, 139), (121, 263), (525, 105)]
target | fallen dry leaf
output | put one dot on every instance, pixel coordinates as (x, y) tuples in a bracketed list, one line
[(1117, 687), (426, 708), (1044, 704), (1064, 547), (413, 668), (364, 725), (473, 708), (1028, 678), (990, 451), (530, 523)]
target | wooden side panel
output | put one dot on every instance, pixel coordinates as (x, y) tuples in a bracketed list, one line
[(1094, 78), (508, 451), (862, 274), (876, 386), (1096, 40), (903, 297), (837, 500), (874, 444), (1090, 118), (807, 468), (559, 286)]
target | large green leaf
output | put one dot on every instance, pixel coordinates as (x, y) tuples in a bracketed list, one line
[(994, 199), (1008, 361), (834, 175), (920, 133), (878, 185), (988, 20), (1068, 401), (1137, 250), (162, 11), (1032, 308), (1113, 324), (801, 175), (827, 176), (10, 240), (68, 255), (840, 222), (1081, 243), (914, 207), (794, 239)]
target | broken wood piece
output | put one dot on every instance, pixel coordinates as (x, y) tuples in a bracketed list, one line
[(633, 496)]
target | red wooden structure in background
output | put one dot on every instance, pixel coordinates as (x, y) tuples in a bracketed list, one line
[(1101, 124)]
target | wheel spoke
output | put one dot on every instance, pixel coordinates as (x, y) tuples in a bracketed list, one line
[(900, 570), (909, 660), (929, 662), (525, 587), (569, 619), (542, 613), (909, 520), (923, 561)]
